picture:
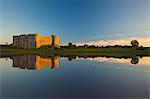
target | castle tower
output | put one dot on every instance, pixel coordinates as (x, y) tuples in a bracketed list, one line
[(15, 40), (55, 41)]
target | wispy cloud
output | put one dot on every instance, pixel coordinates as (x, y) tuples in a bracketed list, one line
[(144, 41)]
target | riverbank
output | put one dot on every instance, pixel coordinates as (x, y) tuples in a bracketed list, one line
[(46, 51)]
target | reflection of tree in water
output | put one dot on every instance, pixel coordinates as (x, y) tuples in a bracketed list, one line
[(71, 57), (135, 60)]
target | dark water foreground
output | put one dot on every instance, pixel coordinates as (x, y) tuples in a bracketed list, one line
[(33, 76)]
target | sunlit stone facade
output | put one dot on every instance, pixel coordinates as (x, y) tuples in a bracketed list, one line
[(35, 41)]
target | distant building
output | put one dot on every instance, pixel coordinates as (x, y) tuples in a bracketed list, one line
[(35, 41)]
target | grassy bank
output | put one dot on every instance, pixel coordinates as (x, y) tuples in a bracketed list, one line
[(45, 51)]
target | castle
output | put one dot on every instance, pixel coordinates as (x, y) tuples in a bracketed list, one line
[(31, 41)]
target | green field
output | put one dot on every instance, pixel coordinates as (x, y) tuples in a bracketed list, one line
[(46, 51)]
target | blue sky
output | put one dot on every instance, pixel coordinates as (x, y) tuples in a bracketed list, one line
[(75, 20)]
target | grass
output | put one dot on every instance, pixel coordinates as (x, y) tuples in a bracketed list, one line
[(45, 51)]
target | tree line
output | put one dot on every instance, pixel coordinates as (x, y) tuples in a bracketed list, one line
[(134, 44)]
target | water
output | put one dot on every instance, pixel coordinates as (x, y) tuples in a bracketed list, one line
[(32, 76)]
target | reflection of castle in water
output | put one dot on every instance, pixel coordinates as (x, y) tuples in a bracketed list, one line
[(35, 62)]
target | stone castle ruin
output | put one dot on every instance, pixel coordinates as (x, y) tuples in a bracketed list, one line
[(31, 41)]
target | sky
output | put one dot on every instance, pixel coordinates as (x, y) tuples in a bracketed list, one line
[(76, 21)]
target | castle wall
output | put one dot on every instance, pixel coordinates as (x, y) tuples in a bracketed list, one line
[(52, 40), (43, 40), (24, 41), (31, 41)]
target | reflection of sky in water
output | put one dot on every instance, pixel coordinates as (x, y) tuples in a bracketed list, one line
[(77, 78), (145, 61), (122, 63)]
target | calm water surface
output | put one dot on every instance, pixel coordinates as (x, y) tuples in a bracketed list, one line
[(99, 77)]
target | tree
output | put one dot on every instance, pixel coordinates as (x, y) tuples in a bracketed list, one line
[(69, 44), (85, 46), (135, 43), (141, 47)]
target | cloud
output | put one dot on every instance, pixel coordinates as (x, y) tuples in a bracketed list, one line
[(147, 32), (144, 41)]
